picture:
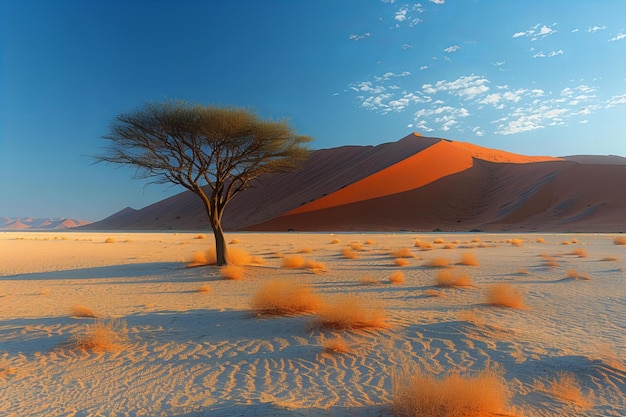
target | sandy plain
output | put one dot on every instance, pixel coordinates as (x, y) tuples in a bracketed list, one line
[(187, 352)]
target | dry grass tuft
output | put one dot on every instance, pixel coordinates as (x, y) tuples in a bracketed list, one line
[(306, 250), (448, 246), (285, 297), (438, 263), (549, 261), (335, 242), (417, 394), (574, 240), (110, 240), (619, 240), (476, 239), (396, 277), (198, 258), (349, 254), (234, 241), (401, 262), (573, 274), (402, 253), (438, 241), (336, 345), (453, 279), (347, 311), (356, 246), (540, 240), (103, 335), (581, 253), (523, 271), (315, 267), (238, 256), (294, 261), (504, 295), (200, 237), (609, 259), (367, 280), (370, 242), (423, 245), (516, 242), (206, 288), (434, 293), (565, 242), (566, 387), (82, 311), (469, 259), (234, 272)]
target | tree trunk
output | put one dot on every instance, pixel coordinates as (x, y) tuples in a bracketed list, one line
[(220, 241)]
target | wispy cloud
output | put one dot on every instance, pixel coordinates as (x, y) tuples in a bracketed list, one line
[(438, 1), (618, 37), (549, 54), (595, 29), (388, 75), (359, 37), (451, 49), (405, 15), (465, 86), (537, 32)]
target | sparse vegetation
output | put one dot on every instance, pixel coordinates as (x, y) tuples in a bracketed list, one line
[(356, 246), (103, 335), (285, 297), (402, 253), (201, 236), (457, 279), (82, 311), (234, 241), (434, 293), (205, 288), (573, 274), (438, 263), (396, 277), (417, 394), (619, 240), (516, 242), (581, 253), (234, 272), (368, 280), (349, 254), (110, 240), (335, 242), (438, 241), (504, 295), (540, 240), (306, 250), (609, 259), (566, 387), (315, 267), (401, 262), (348, 311), (336, 345), (469, 259), (423, 245), (293, 261)]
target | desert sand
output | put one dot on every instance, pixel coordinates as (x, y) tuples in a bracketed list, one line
[(189, 344)]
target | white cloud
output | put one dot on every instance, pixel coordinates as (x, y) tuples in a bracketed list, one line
[(491, 99), (619, 36), (548, 55), (478, 131), (407, 46), (536, 32), (467, 86), (615, 100), (584, 122), (359, 37), (400, 15), (438, 1), (575, 30), (388, 75), (499, 63), (452, 48), (520, 34), (368, 87), (595, 29), (424, 67)]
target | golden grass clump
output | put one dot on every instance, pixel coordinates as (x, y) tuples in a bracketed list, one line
[(540, 240), (523, 271), (82, 311), (110, 240), (573, 274), (235, 241), (438, 263), (349, 254), (198, 258), (504, 295), (370, 242), (516, 242), (581, 253), (294, 261), (417, 394), (206, 288), (448, 246), (336, 345), (335, 242), (306, 250), (609, 259), (401, 261), (549, 261), (423, 245), (565, 242), (434, 293), (367, 280), (469, 259), (396, 277), (566, 387), (347, 311), (234, 272), (452, 279), (285, 297), (402, 253), (619, 240), (356, 245), (103, 335), (438, 241), (476, 239), (574, 240), (315, 267), (201, 236)]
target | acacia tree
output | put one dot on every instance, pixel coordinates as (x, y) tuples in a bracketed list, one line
[(214, 152)]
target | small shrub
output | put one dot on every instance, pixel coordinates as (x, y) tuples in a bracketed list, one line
[(347, 311), (566, 387), (200, 237), (418, 394), (367, 280), (438, 263), (370, 242), (619, 240), (438, 241), (452, 279), (423, 245), (336, 345), (402, 253), (503, 295), (549, 261), (574, 240), (448, 246), (609, 259), (110, 240), (523, 271), (306, 250), (285, 297), (349, 254), (103, 335), (238, 256), (205, 289), (234, 272), (434, 293), (82, 311), (234, 241), (400, 262), (565, 242), (356, 246), (476, 239), (294, 261), (396, 277), (197, 259), (335, 242), (469, 259), (573, 274), (315, 266), (540, 240), (581, 253), (516, 242)]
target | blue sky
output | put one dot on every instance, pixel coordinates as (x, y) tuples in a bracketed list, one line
[(535, 77)]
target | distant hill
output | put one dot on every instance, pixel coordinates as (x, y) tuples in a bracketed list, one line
[(417, 183), (33, 223)]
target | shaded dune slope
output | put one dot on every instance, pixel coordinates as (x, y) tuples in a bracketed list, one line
[(416, 183)]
